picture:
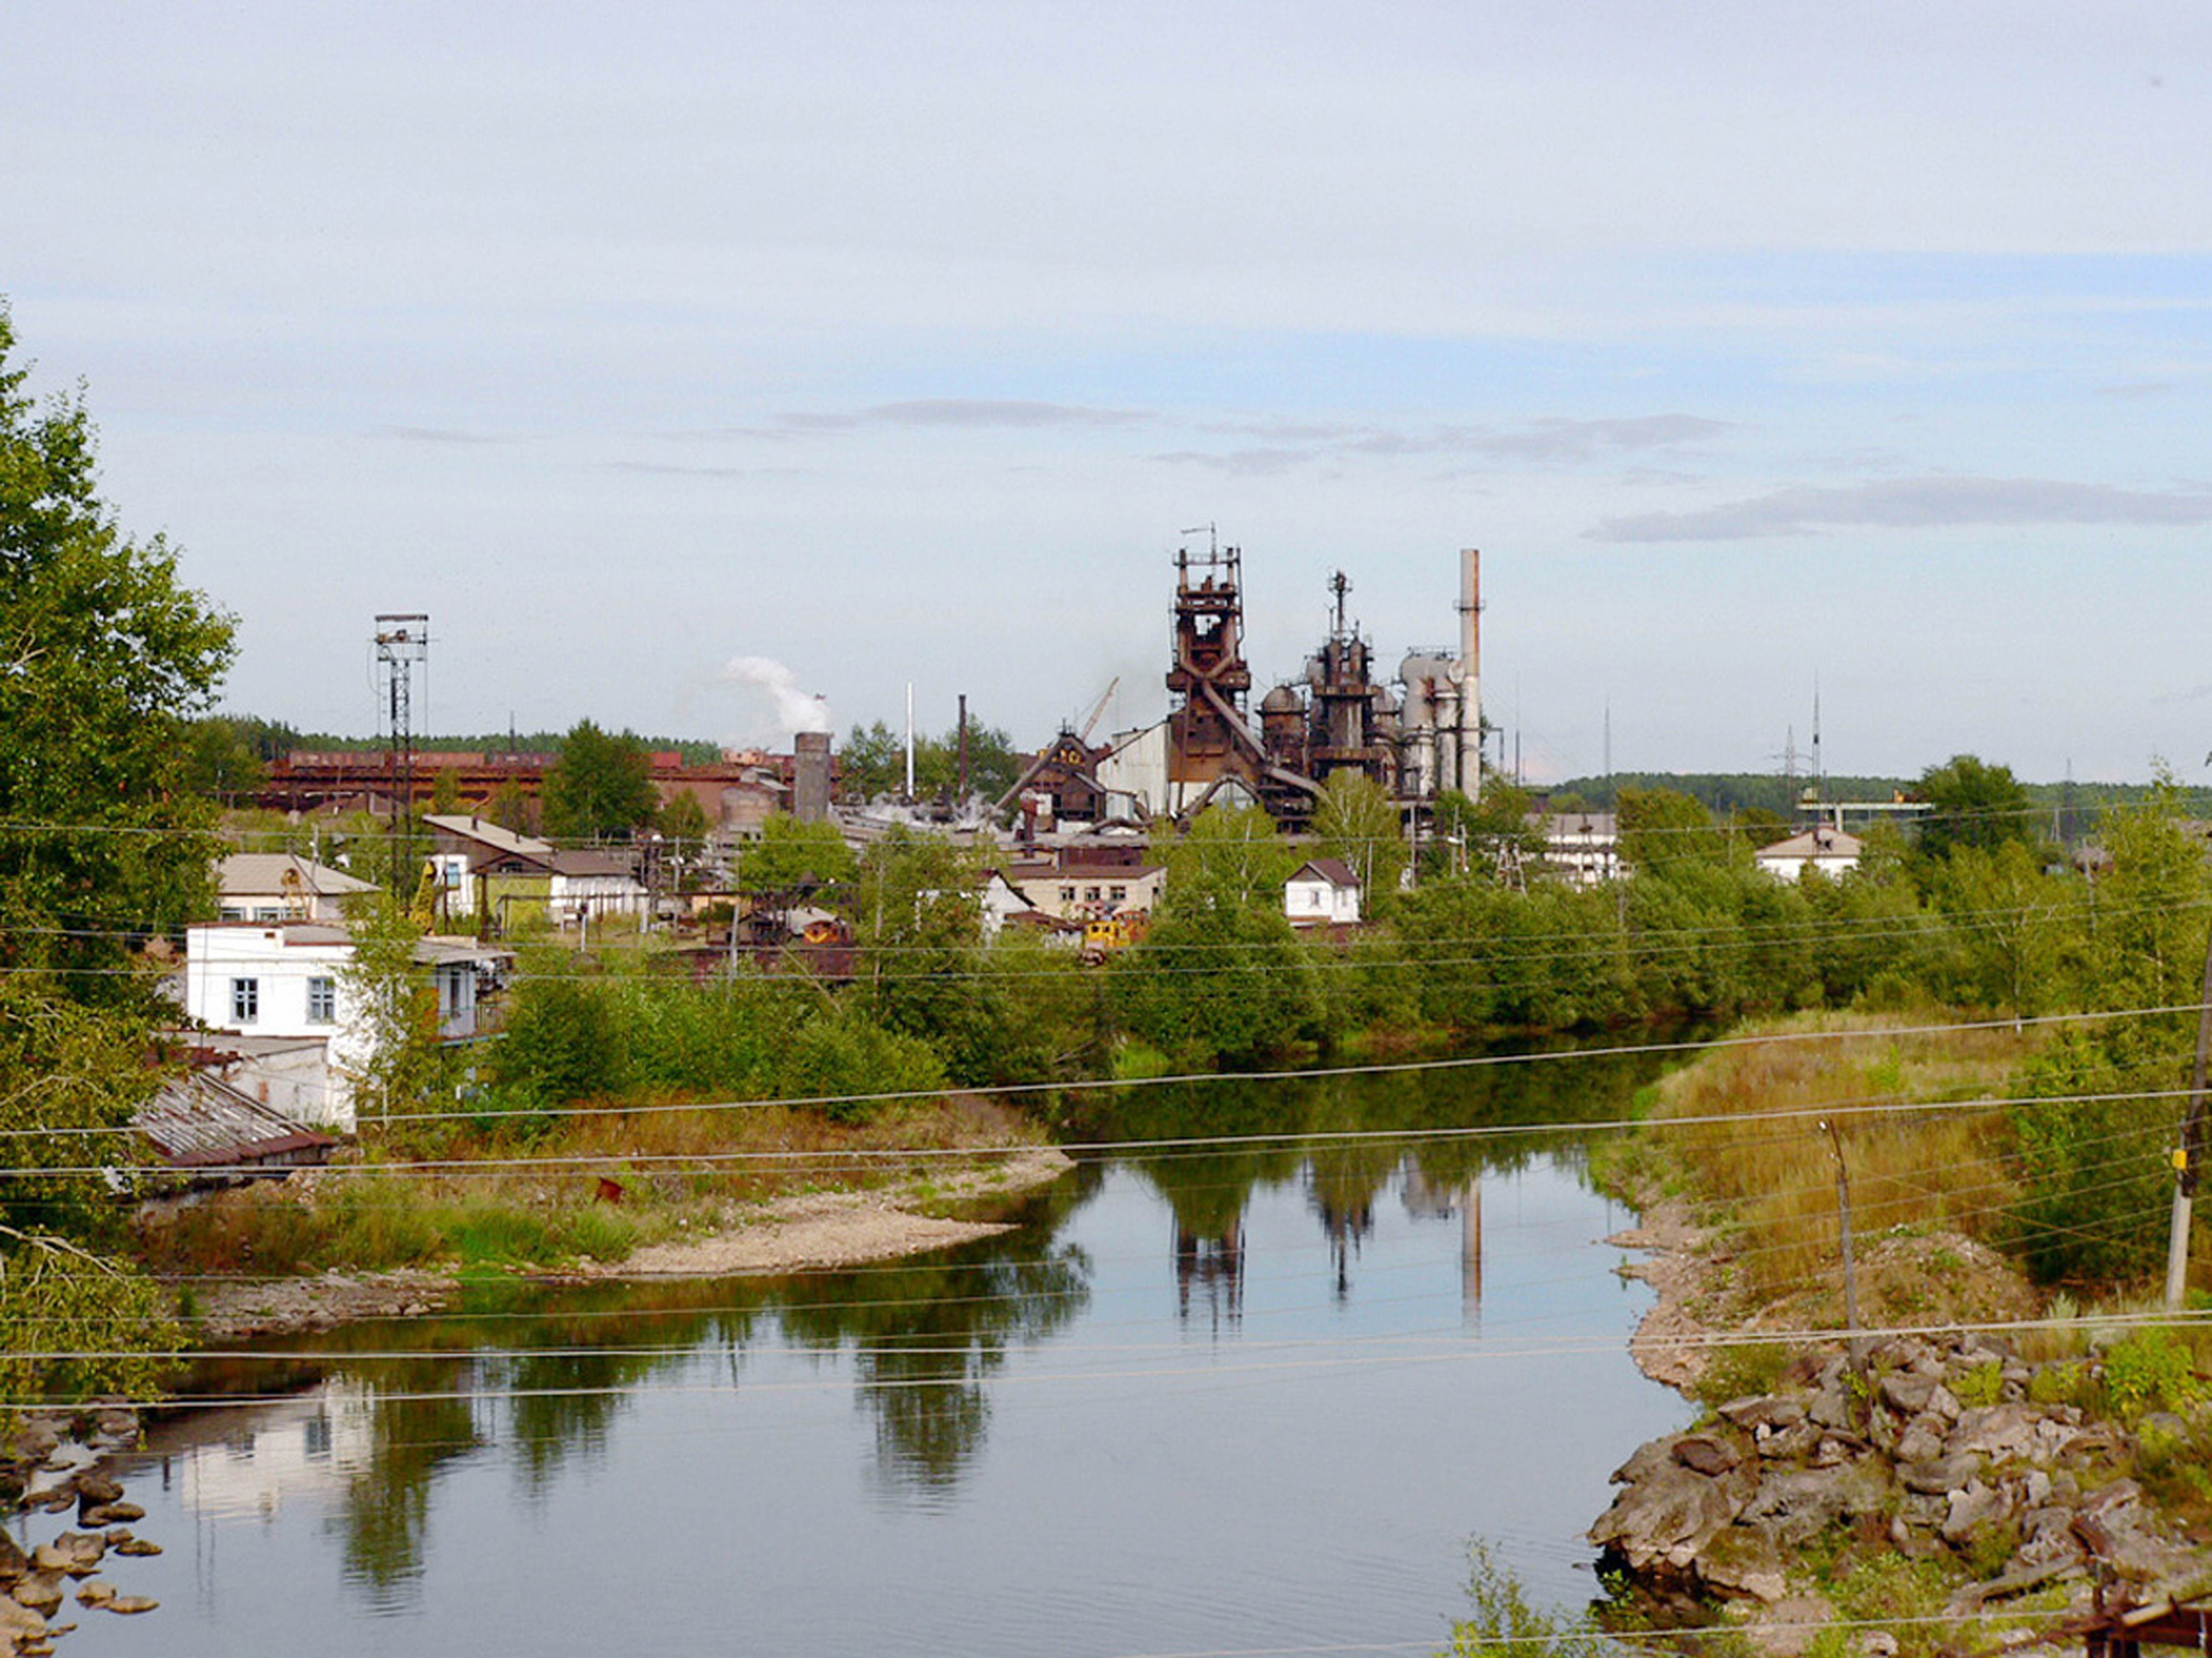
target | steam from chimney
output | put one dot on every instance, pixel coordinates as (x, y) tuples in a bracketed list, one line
[(796, 710)]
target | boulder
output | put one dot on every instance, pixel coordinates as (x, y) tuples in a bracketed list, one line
[(1757, 1411), (97, 1488), (1664, 1520), (1908, 1392), (1704, 1456), (1922, 1440), (1744, 1562), (41, 1591), (1973, 1508), (20, 1624), (95, 1592), (14, 1562), (109, 1514), (129, 1605), (1944, 1473), (1832, 1406), (1788, 1444)]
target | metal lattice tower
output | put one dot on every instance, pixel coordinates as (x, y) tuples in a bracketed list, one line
[(402, 641)]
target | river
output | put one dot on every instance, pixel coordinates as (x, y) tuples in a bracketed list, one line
[(1256, 1397)]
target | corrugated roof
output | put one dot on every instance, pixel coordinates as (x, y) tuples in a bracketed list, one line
[(485, 833), (200, 1121), (245, 874)]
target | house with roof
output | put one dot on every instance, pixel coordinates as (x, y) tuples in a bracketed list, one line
[(281, 993), (1828, 850), (1581, 847), (282, 886), (1322, 892), (481, 868), (1074, 891)]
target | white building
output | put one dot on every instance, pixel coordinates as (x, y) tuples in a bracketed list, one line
[(1581, 847), (1828, 850), (284, 985), (1324, 892), (282, 886)]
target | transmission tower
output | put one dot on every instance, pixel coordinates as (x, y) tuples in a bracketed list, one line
[(402, 641)]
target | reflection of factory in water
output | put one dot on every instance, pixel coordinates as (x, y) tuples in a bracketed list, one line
[(1414, 737), (1210, 1261)]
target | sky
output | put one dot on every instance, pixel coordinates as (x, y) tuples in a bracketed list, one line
[(1771, 354)]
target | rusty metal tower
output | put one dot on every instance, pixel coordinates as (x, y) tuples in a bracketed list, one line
[(403, 641)]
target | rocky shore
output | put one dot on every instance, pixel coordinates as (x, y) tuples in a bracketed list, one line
[(55, 1466), (1978, 1474)]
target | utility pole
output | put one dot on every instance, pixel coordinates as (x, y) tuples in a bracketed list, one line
[(2190, 1153)]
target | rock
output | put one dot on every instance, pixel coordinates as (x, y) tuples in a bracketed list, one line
[(97, 1488), (1789, 1444), (76, 1553), (1880, 1643), (1974, 1509), (41, 1591), (2005, 1433), (39, 1440), (119, 1424), (1787, 1628), (96, 1592), (1664, 1520), (1650, 1458), (137, 1545), (20, 1623), (1797, 1506), (1830, 1407), (1923, 1511), (1908, 1392), (1757, 1411), (1945, 1473), (1922, 1440), (53, 1499), (14, 1562), (1745, 1563), (131, 1604), (1700, 1455), (109, 1514)]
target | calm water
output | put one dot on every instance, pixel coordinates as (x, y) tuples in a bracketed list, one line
[(1253, 1401)]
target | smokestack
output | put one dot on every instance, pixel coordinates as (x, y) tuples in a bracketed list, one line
[(1470, 667), (810, 776)]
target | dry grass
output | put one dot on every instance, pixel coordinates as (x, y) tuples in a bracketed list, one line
[(679, 1172), (1749, 1144)]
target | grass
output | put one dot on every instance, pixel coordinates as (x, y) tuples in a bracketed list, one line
[(1743, 1127), (680, 1173)]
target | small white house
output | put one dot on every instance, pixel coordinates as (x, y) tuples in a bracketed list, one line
[(1828, 850), (283, 983), (282, 886), (1324, 892)]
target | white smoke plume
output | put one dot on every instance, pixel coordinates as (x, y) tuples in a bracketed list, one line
[(796, 710)]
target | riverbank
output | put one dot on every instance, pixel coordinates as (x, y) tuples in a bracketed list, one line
[(1986, 1465), (792, 1232)]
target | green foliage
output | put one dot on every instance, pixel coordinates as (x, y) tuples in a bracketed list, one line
[(838, 1053), (793, 857), (872, 762), (601, 786), (399, 1064), (1359, 823), (1230, 858), (2151, 1370), (1661, 830), (74, 1325), (1501, 1623), (1488, 837), (1742, 1367), (1976, 805), (104, 657), (1981, 1386)]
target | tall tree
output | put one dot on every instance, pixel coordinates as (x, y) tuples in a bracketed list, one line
[(1359, 824), (1976, 805), (104, 657), (601, 785)]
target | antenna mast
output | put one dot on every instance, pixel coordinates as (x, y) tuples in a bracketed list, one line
[(402, 640)]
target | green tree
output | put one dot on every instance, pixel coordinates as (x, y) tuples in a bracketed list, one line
[(396, 1065), (1358, 823), (873, 763), (790, 856), (1230, 857), (601, 785), (1490, 837), (446, 791), (221, 763), (104, 658), (1662, 830), (1975, 804)]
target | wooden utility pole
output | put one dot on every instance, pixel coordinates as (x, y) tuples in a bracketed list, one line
[(2190, 1153)]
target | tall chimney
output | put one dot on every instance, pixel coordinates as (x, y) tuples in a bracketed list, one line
[(810, 776), (1470, 667)]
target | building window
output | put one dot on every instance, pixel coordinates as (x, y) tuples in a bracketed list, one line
[(1067, 895), (245, 1000), (1117, 894), (322, 1001), (1090, 894)]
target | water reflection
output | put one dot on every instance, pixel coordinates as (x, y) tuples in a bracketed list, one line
[(534, 1378)]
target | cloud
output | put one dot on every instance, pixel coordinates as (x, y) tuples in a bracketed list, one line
[(967, 413), (1551, 439), (434, 434), (1912, 503)]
